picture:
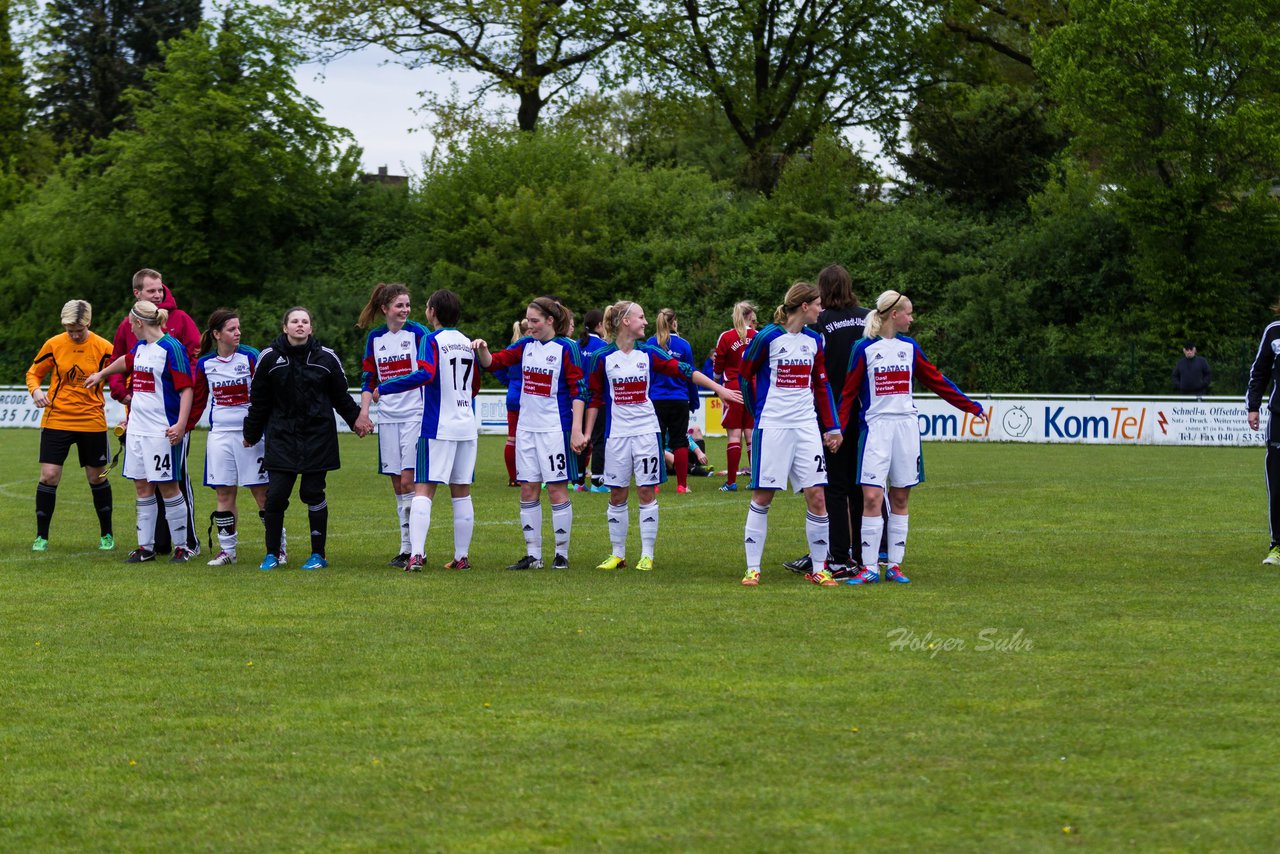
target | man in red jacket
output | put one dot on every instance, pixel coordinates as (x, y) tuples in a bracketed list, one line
[(148, 285)]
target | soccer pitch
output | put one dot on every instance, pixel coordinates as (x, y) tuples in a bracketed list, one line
[(1085, 657)]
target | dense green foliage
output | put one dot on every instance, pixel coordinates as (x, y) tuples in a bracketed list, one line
[(1068, 214)]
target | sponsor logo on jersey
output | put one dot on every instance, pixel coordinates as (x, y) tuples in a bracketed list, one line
[(396, 366), (894, 379), (630, 391), (143, 381), (537, 381), (234, 392), (793, 373)]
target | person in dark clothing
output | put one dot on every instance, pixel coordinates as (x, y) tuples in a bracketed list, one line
[(1191, 374), (840, 324), (1265, 374), (298, 386)]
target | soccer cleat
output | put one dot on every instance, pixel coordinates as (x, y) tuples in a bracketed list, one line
[(682, 490), (527, 562), (894, 573), (269, 562), (224, 558), (645, 564), (752, 578), (729, 487), (866, 576), (413, 564), (841, 571), (106, 543), (612, 562), (315, 562), (400, 561), (599, 487), (458, 563), (194, 551), (1272, 558), (140, 555), (40, 545), (560, 562), (181, 554), (802, 565), (822, 578)]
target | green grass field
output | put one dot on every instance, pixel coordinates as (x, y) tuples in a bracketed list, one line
[(1102, 675)]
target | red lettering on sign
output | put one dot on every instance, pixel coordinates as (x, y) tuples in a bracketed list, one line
[(144, 382)]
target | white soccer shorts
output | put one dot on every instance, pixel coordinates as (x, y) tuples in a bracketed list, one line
[(639, 455), (446, 461), (227, 462), (544, 458), (788, 455), (890, 453), (152, 458), (398, 446)]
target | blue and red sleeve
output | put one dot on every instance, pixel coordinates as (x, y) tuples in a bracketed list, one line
[(932, 379)]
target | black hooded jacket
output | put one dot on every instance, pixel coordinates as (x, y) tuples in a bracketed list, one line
[(295, 391)]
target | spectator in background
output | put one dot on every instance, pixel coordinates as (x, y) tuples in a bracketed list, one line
[(1191, 375), (148, 285)]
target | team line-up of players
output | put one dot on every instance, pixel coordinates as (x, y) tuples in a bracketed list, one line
[(271, 422)]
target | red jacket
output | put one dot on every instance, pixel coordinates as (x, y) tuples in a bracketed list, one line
[(179, 325)]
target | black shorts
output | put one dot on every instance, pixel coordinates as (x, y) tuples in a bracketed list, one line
[(93, 448)]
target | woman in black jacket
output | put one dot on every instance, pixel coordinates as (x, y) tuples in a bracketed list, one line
[(295, 391)]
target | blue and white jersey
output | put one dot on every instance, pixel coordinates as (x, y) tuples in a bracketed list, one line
[(160, 371), (388, 355), (224, 385), (784, 379), (448, 375), (620, 384), (551, 379)]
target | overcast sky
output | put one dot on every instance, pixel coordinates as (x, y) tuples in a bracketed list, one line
[(376, 102)]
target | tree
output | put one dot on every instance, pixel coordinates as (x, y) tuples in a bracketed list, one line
[(100, 49), (782, 72), (229, 163), (1177, 104), (14, 102), (988, 146), (532, 49)]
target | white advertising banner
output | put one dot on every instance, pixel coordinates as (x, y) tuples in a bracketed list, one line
[(1117, 421)]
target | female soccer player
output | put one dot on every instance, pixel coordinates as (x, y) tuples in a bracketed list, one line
[(620, 383), (674, 398), (881, 370), (223, 374), (447, 444), (73, 415), (1264, 374), (158, 415), (511, 379), (298, 386), (726, 359), (552, 394), (389, 352), (784, 386), (591, 460)]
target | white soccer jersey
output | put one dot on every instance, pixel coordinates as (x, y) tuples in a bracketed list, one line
[(784, 381), (881, 371), (620, 382), (388, 355), (226, 384), (160, 372), (551, 379), (446, 371)]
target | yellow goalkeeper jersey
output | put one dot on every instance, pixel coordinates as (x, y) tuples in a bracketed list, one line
[(71, 405)]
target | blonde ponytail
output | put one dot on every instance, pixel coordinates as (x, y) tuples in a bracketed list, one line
[(885, 303)]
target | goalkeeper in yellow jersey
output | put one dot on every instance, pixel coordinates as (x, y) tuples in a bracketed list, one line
[(73, 415)]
